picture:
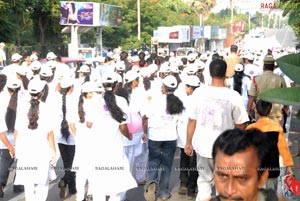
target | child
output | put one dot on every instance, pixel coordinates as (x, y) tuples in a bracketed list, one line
[(279, 145)]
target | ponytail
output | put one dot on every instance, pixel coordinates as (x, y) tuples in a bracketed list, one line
[(174, 104), (110, 101), (33, 114)]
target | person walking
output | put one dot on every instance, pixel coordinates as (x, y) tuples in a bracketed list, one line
[(160, 128), (34, 138), (214, 109)]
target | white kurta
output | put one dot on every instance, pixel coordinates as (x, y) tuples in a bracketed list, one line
[(32, 147), (109, 162)]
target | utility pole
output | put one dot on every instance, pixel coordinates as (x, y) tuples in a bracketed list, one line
[(139, 18)]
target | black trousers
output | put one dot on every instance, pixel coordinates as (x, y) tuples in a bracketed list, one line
[(67, 153), (188, 171)]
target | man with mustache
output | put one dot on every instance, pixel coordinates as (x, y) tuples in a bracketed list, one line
[(239, 169)]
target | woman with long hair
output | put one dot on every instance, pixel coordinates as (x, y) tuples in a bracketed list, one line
[(160, 128), (65, 133), (240, 82), (35, 146), (108, 123), (8, 101)]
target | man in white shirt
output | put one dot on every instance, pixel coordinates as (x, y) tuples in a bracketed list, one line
[(214, 109), (2, 55)]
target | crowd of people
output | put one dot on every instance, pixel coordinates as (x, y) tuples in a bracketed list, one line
[(123, 119)]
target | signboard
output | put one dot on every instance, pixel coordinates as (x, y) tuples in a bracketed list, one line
[(175, 34), (90, 14), (238, 26), (197, 32), (211, 32), (110, 16)]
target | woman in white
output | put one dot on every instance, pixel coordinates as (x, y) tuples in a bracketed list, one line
[(240, 82), (82, 158), (160, 123), (34, 141), (66, 115), (138, 155), (108, 119)]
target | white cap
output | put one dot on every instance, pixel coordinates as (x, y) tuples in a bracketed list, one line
[(13, 83), (250, 56), (51, 56), (35, 65), (152, 68), (109, 77), (120, 66), (119, 78), (84, 69), (66, 82), (174, 68), (20, 70), (170, 81), (46, 71), (192, 80), (164, 68), (203, 57), (16, 57), (33, 57), (145, 72), (239, 67), (51, 64), (88, 87), (200, 65), (2, 44), (130, 76), (191, 57), (36, 85), (191, 69)]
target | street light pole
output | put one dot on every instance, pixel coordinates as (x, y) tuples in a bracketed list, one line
[(139, 18)]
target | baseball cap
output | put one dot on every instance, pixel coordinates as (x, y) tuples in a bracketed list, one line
[(130, 76), (88, 87), (191, 69), (46, 71), (191, 57), (192, 80), (239, 67), (16, 57), (109, 77), (170, 81), (35, 65), (84, 69), (164, 68), (200, 65), (66, 82), (36, 85), (203, 57), (292, 184), (269, 59), (13, 83), (174, 68), (20, 70), (33, 57), (250, 56), (51, 56), (120, 66), (2, 44)]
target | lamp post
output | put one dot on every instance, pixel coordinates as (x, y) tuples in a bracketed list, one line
[(139, 19)]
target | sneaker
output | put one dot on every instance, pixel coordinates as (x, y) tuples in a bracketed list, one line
[(182, 190), (63, 189), (150, 192)]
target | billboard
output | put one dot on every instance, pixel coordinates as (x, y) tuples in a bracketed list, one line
[(110, 15), (175, 34), (79, 13), (90, 14), (238, 26)]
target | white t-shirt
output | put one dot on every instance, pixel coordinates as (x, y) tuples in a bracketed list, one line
[(252, 70), (246, 84), (216, 109), (161, 126)]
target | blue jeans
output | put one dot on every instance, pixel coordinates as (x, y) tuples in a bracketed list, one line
[(161, 156)]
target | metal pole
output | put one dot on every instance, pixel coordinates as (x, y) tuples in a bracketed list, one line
[(99, 41), (139, 19)]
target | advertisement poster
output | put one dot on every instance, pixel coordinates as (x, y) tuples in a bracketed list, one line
[(110, 15), (79, 13)]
